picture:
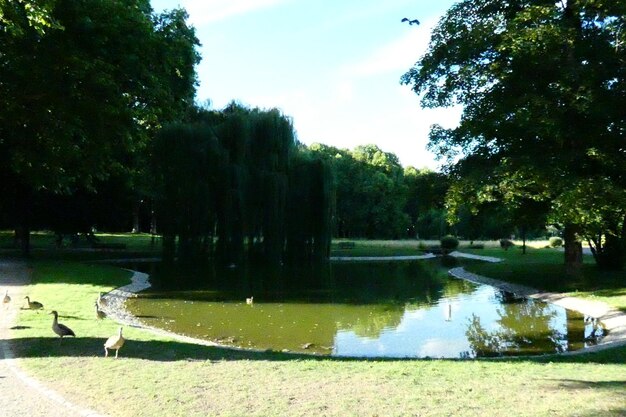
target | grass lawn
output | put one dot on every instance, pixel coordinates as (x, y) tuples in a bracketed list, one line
[(544, 269), (156, 375)]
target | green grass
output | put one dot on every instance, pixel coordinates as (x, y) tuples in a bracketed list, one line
[(540, 267), (157, 375), (43, 246), (382, 247), (544, 269)]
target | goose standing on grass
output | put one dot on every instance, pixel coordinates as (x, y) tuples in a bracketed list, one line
[(99, 313), (33, 305), (59, 328), (250, 300), (6, 300), (101, 301), (114, 342)]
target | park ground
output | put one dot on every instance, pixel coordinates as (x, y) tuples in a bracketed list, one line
[(158, 375)]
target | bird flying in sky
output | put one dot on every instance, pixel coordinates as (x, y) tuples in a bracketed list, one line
[(411, 22)]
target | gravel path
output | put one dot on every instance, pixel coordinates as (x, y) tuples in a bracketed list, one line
[(382, 258), (490, 259), (456, 254), (21, 395)]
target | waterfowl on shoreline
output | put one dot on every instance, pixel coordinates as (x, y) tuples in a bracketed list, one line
[(59, 328), (6, 300), (101, 301), (33, 305), (114, 342), (99, 313)]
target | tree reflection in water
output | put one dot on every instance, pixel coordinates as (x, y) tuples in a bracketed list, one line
[(524, 327), (388, 309)]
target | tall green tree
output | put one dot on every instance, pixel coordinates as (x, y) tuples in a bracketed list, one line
[(189, 171), (83, 87), (426, 191), (541, 84), (18, 16), (370, 192), (238, 177)]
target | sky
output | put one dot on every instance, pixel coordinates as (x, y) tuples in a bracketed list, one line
[(333, 66)]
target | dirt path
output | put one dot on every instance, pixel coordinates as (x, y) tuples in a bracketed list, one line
[(21, 395)]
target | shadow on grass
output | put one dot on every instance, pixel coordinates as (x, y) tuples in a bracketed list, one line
[(609, 386), (578, 384), (169, 351), (162, 351)]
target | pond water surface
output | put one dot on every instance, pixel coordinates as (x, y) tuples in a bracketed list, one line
[(384, 309)]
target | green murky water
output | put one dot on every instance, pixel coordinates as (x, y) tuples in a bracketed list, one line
[(400, 309)]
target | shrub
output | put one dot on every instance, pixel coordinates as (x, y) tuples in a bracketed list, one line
[(506, 244), (449, 243), (555, 242)]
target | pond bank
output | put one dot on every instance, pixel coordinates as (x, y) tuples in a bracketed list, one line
[(23, 395), (114, 305), (614, 321)]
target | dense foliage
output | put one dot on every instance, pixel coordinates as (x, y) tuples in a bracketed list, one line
[(235, 184), (370, 192), (542, 86), (83, 86)]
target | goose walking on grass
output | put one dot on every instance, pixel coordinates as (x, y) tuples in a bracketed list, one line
[(114, 342), (99, 313), (6, 300), (101, 301), (33, 305), (59, 328)]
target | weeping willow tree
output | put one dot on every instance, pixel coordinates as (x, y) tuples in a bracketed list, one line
[(310, 209), (239, 179), (188, 164), (273, 142), (234, 134)]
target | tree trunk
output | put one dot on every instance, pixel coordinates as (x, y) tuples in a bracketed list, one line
[(573, 250), (24, 209), (22, 239), (136, 206), (572, 120)]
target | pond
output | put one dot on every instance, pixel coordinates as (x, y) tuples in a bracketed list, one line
[(383, 309)]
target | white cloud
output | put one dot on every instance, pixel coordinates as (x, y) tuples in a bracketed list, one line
[(206, 11), (442, 348)]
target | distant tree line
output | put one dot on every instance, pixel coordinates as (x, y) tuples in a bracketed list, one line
[(377, 198), (99, 129)]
